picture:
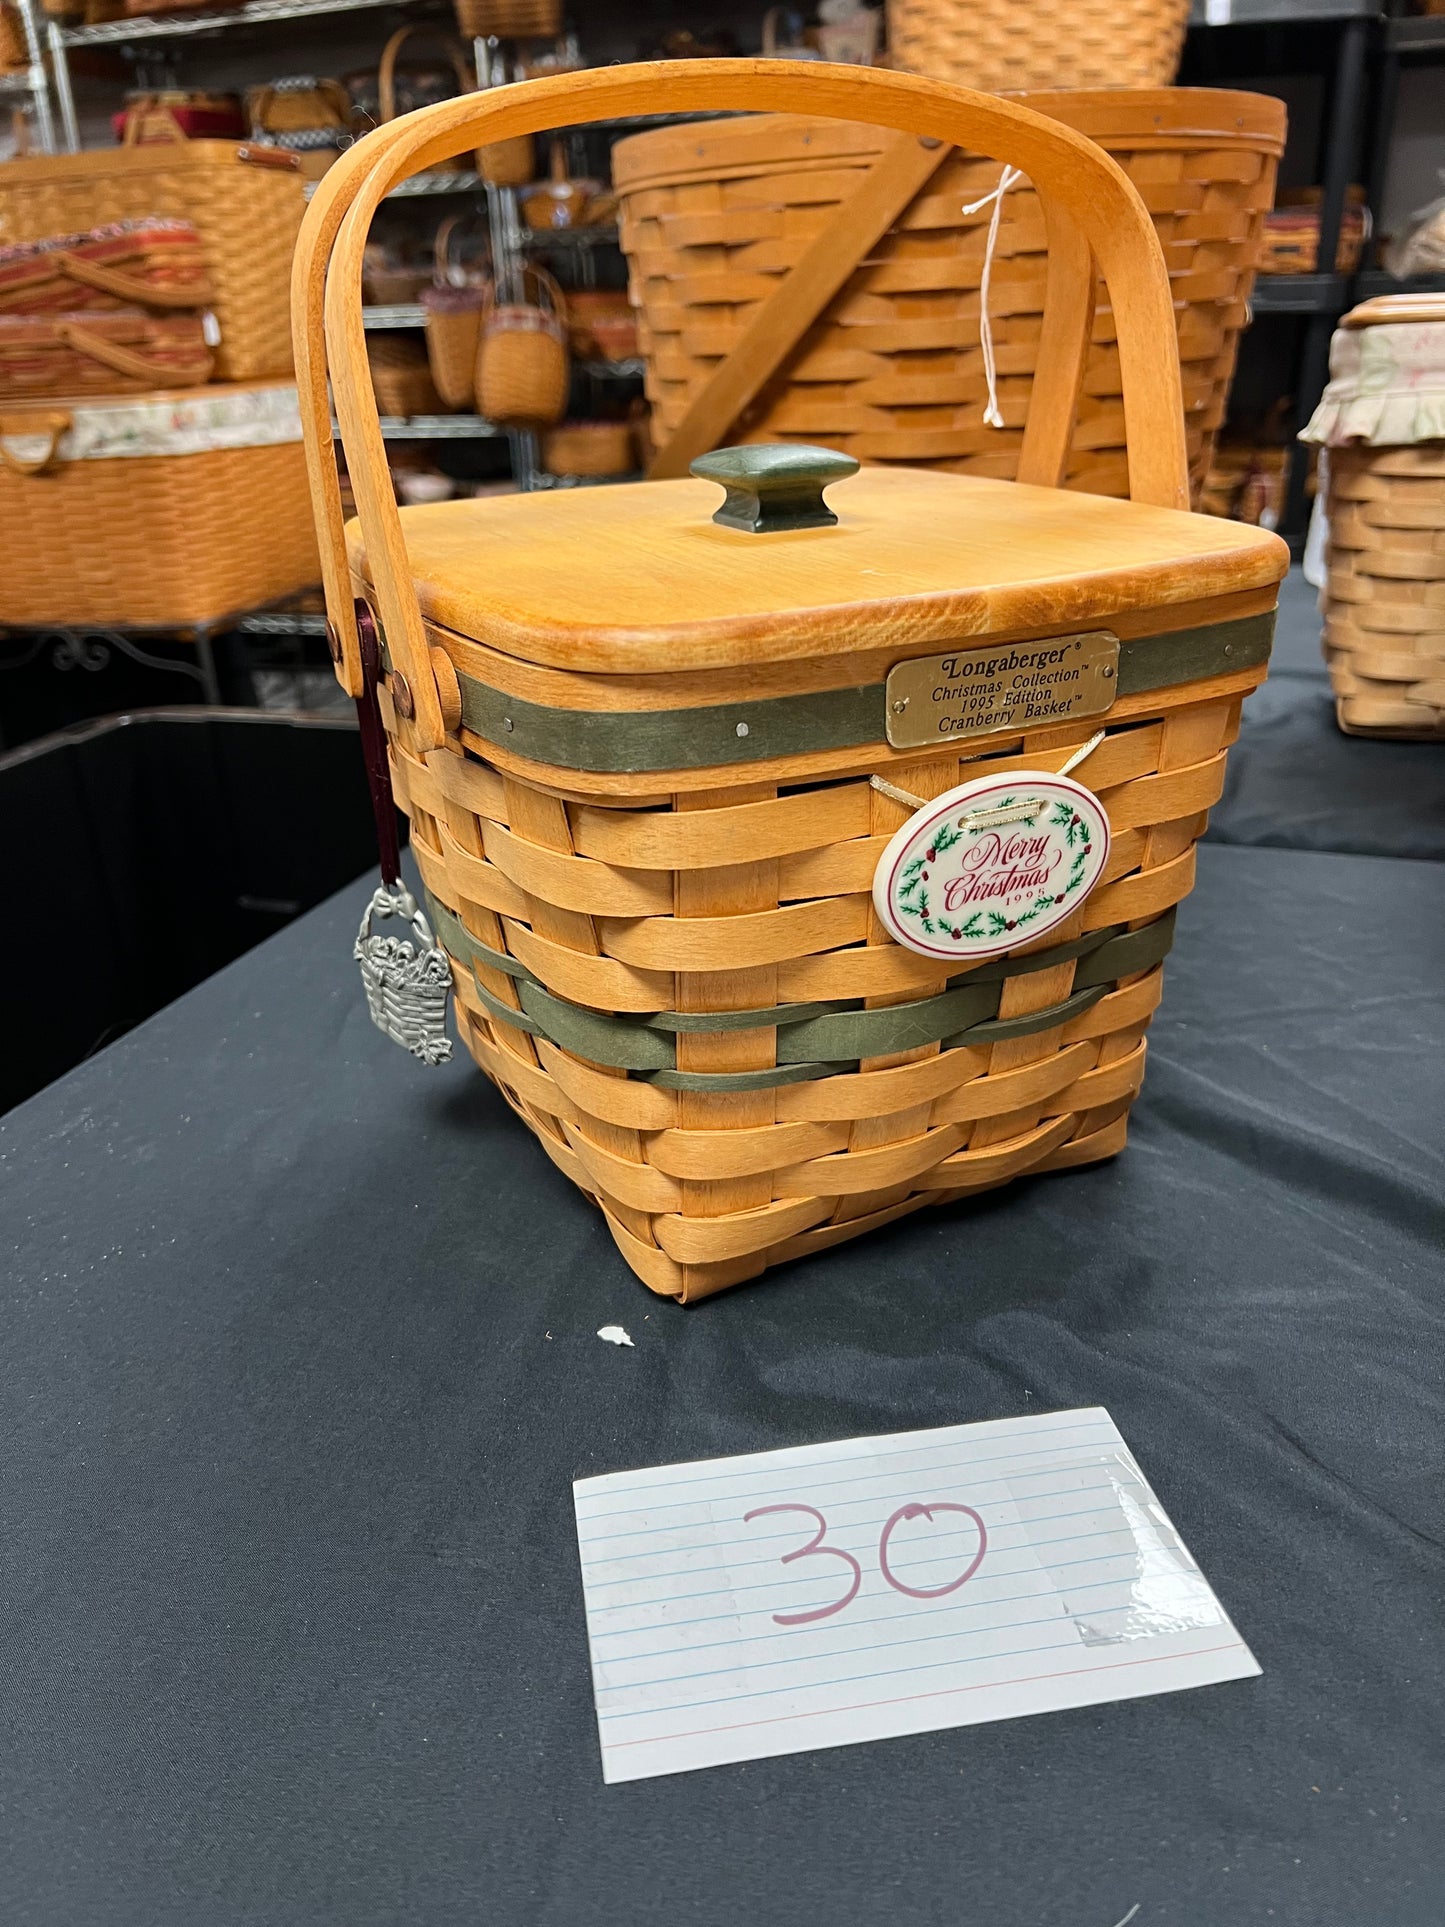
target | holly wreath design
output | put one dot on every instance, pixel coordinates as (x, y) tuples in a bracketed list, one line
[(913, 898)]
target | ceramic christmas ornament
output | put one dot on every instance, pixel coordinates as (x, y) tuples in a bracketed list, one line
[(990, 865)]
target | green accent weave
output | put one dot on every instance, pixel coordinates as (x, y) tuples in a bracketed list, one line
[(621, 741), (814, 1040)]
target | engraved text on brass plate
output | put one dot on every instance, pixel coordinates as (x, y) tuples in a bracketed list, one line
[(1007, 685)]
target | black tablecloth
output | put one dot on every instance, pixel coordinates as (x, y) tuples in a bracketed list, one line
[(1296, 782), (300, 1362)]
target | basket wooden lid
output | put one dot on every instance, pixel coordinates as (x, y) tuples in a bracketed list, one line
[(640, 578)]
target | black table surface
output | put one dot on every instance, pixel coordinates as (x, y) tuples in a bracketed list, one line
[(299, 1363)]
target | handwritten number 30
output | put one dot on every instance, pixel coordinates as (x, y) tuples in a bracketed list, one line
[(815, 1549)]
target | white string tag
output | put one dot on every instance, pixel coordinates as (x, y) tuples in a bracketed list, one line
[(1006, 180)]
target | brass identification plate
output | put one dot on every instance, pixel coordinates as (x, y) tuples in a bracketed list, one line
[(1008, 685)]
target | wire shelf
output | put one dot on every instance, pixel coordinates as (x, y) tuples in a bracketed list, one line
[(114, 33), (434, 428), (394, 314), (438, 181)]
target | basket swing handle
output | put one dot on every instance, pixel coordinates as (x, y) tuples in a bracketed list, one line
[(1092, 214)]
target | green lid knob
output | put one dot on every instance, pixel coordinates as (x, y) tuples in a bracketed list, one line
[(775, 485)]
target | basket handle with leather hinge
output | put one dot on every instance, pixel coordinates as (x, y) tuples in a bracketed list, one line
[(1091, 211), (258, 154), (125, 361), (53, 424)]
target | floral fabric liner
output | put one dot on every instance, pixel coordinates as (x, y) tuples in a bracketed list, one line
[(1387, 386), (190, 424)]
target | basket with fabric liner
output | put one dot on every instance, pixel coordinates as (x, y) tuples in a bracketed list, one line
[(245, 201), (163, 509), (803, 279), (147, 263), (637, 749), (1382, 420)]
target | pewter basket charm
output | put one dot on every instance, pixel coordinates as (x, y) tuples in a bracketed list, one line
[(406, 983)]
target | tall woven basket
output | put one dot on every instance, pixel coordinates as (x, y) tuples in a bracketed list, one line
[(653, 760), (1003, 46), (891, 366)]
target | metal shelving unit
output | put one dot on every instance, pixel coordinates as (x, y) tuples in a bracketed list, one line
[(32, 83), (125, 34), (1342, 52)]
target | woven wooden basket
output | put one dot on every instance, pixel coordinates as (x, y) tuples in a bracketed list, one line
[(401, 376), (147, 264), (1384, 599), (453, 307), (522, 363), (889, 365), (509, 19), (649, 850), (101, 353), (246, 209), (588, 448), (1003, 46), (186, 538), (1381, 425)]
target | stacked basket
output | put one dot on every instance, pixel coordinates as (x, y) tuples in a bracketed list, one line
[(164, 507), (891, 366)]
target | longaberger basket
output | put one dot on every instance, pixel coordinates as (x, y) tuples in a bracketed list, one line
[(1004, 46), (244, 200), (794, 283), (1381, 424), (657, 758), (158, 510)]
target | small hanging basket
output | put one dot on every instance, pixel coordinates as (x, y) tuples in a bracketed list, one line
[(522, 364), (453, 307)]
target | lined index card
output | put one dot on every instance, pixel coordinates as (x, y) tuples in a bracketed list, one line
[(826, 1594)]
